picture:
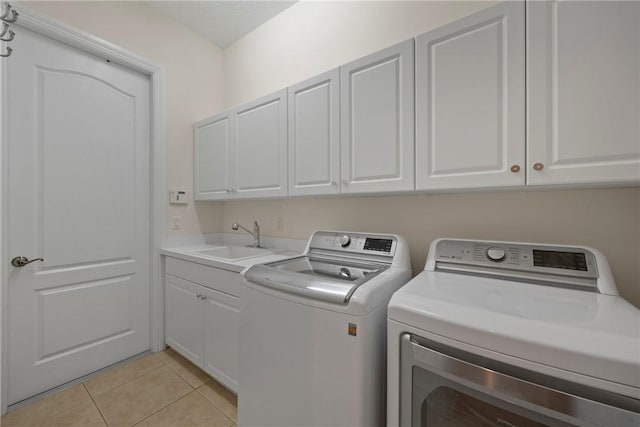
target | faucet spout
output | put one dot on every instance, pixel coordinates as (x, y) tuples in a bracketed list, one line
[(255, 233)]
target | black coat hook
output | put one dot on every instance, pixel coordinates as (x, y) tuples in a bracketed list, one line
[(9, 14)]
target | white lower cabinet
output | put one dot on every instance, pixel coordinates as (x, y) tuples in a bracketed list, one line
[(202, 323), (221, 337), (184, 318)]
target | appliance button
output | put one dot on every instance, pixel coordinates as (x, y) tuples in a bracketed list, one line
[(496, 254), (345, 241)]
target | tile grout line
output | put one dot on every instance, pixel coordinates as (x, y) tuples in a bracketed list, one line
[(91, 396), (197, 389), (211, 379), (96, 405), (214, 405), (183, 378), (162, 364), (127, 381), (171, 403), (166, 406)]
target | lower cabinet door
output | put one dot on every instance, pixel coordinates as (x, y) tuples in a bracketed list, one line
[(221, 333), (183, 328)]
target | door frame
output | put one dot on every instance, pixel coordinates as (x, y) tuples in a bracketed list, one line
[(64, 33)]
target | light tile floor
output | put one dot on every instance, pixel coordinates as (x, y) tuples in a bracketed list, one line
[(162, 389)]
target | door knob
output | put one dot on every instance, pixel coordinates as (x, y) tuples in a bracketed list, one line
[(21, 261)]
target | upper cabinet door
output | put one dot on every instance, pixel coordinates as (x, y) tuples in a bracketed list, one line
[(377, 133), (212, 142), (260, 154), (470, 87), (314, 135), (583, 92)]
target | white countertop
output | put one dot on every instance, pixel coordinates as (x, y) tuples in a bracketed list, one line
[(189, 253)]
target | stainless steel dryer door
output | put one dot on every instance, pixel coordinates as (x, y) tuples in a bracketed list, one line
[(445, 387)]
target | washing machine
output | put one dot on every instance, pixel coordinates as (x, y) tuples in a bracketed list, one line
[(512, 334), (313, 332)]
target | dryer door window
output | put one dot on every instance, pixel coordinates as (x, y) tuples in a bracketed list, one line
[(441, 386), (440, 403)]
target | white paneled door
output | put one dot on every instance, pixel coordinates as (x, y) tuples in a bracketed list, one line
[(78, 197)]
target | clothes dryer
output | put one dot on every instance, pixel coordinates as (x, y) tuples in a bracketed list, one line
[(513, 334)]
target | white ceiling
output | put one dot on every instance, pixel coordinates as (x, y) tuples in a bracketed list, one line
[(222, 22)]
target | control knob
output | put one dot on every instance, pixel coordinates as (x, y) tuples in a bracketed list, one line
[(344, 241), (496, 254)]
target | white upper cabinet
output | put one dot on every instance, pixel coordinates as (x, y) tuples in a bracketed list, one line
[(377, 121), (503, 98), (260, 149), (314, 135), (212, 157), (583, 92), (470, 88)]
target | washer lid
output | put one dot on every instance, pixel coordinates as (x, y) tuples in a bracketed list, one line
[(588, 333), (326, 279)]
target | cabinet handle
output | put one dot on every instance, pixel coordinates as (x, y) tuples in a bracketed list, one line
[(515, 168), (344, 182), (204, 297), (227, 191), (538, 166), (198, 296), (333, 183)]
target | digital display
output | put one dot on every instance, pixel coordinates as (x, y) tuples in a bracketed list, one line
[(380, 245), (564, 260)]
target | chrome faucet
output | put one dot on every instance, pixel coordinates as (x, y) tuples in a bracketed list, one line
[(255, 233)]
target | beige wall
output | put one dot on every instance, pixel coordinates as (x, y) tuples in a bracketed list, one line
[(193, 80), (315, 36), (312, 37)]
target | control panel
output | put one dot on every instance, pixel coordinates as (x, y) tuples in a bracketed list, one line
[(518, 257), (374, 244)]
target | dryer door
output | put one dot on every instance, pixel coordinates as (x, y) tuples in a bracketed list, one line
[(441, 386)]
